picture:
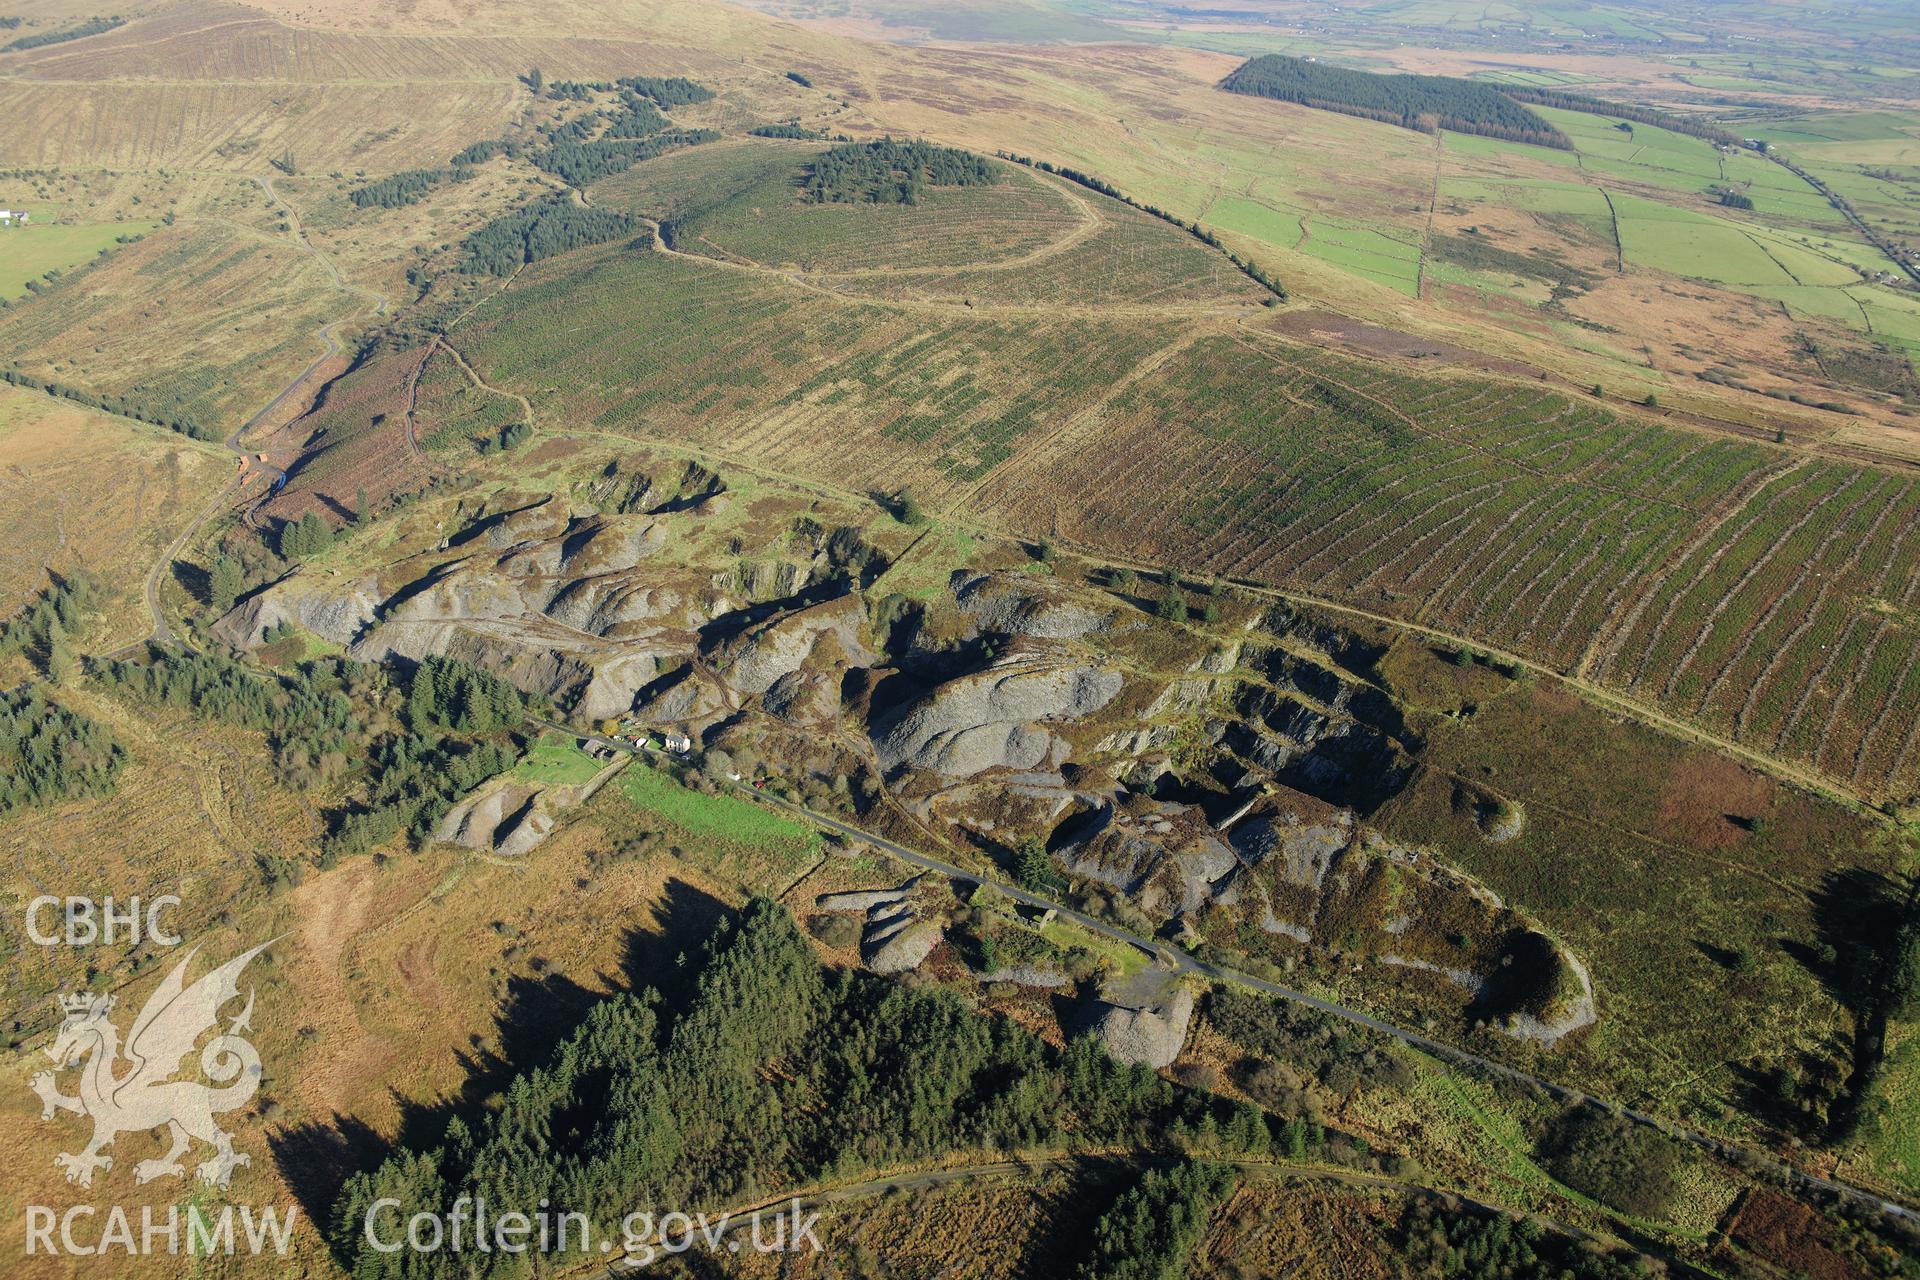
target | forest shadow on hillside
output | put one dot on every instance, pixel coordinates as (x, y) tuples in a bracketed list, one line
[(316, 1157)]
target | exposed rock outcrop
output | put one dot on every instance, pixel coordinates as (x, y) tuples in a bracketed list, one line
[(1150, 1036), (1167, 859), (1027, 975), (897, 935), (508, 818), (1017, 604), (991, 718), (754, 661), (902, 949), (866, 899), (327, 609)]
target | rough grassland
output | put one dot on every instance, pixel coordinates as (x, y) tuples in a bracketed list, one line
[(1129, 259), (202, 319), (753, 364), (1642, 854), (453, 416), (770, 224), (82, 490), (356, 443)]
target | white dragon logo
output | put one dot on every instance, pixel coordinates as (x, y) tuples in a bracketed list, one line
[(147, 1097)]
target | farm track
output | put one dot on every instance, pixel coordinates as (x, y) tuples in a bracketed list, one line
[(526, 405), (409, 428), (927, 306), (162, 633), (1619, 246), (1090, 224), (736, 1220)]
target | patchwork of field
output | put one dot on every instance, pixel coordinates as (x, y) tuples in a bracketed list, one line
[(217, 87), (1368, 253), (1648, 191), (1283, 185)]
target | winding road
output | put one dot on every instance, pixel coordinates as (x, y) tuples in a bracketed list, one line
[(1180, 962), (162, 633)]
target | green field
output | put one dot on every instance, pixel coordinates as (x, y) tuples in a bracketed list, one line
[(1792, 247), (727, 818), (1365, 252), (1252, 218), (1892, 1135), (29, 252), (557, 760), (1685, 243), (1533, 79)]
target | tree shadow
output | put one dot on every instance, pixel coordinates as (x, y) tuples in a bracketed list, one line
[(346, 514), (1856, 914), (665, 958), (316, 1158), (1725, 957), (194, 580)]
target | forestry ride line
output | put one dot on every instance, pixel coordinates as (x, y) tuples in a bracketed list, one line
[(1179, 961), (1588, 690)]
